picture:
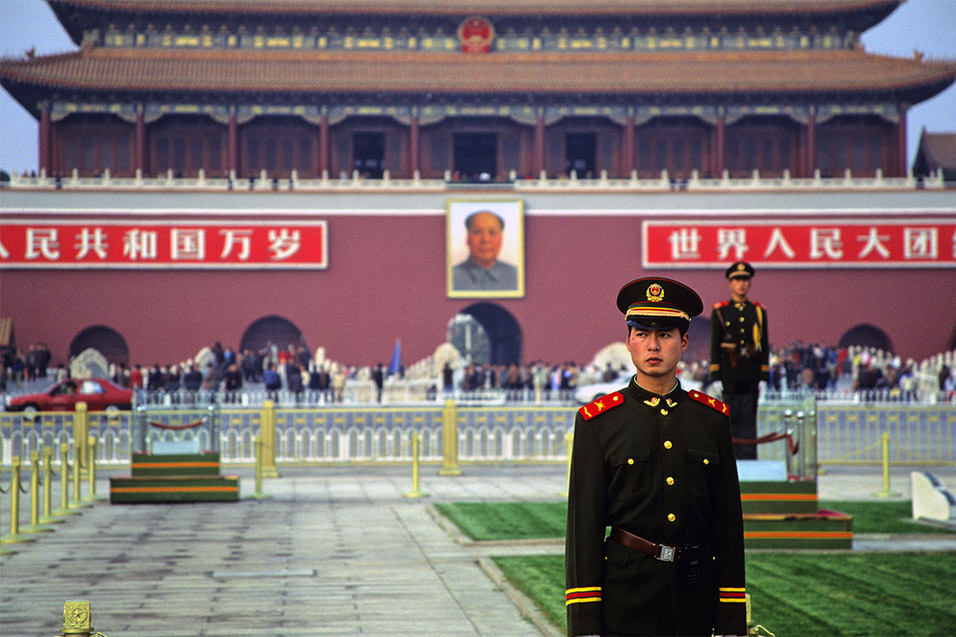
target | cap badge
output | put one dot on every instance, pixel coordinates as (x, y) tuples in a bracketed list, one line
[(655, 293)]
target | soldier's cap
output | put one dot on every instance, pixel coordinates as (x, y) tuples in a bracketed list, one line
[(739, 270), (658, 304)]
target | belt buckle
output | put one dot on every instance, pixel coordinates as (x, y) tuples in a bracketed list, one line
[(668, 553)]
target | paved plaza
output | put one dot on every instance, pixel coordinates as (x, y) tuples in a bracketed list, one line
[(333, 551)]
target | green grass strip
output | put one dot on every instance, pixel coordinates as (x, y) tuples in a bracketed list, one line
[(535, 520), (825, 594)]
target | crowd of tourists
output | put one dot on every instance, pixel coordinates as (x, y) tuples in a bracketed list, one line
[(797, 367)]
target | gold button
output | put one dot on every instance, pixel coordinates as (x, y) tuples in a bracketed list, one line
[(671, 517), (669, 481), (630, 461), (668, 444), (663, 412), (706, 461)]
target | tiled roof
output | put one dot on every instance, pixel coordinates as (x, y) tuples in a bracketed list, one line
[(627, 73), (939, 150), (484, 7)]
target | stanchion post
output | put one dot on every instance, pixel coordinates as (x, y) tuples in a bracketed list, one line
[(268, 434), (91, 463), (77, 502), (449, 440), (259, 495), (35, 496), (65, 482), (15, 488), (886, 493), (76, 620), (81, 428), (415, 492), (569, 445), (48, 517)]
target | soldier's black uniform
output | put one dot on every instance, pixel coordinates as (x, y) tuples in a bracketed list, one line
[(662, 468), (740, 370)]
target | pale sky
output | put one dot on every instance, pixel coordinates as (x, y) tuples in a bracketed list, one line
[(925, 25)]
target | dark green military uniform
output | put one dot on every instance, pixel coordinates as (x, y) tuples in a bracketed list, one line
[(662, 468), (740, 359)]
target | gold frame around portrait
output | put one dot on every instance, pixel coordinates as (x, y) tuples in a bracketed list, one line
[(512, 251)]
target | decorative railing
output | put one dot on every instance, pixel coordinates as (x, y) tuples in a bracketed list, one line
[(356, 183), (827, 433)]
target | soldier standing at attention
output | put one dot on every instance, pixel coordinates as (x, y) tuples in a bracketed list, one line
[(740, 355), (656, 464)]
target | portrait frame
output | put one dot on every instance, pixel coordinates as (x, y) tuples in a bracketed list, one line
[(511, 212)]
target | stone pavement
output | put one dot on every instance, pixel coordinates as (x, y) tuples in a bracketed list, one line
[(333, 551)]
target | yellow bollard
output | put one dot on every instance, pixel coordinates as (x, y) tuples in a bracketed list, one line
[(415, 492), (449, 440), (15, 489), (267, 430), (77, 502), (35, 496), (76, 620), (886, 493), (65, 482), (91, 468), (259, 495), (48, 517), (81, 427), (569, 443)]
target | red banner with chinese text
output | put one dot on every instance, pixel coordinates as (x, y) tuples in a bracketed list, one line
[(808, 243), (26, 243)]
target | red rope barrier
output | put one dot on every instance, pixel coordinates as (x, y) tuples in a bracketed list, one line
[(191, 425), (774, 437)]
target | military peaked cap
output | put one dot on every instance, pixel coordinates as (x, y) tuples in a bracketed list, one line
[(739, 270), (657, 303)]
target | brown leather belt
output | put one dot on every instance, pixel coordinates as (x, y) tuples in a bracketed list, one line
[(662, 552)]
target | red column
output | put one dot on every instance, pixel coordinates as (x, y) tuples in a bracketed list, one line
[(323, 144), (538, 164), (720, 141), (413, 145), (232, 145), (627, 165), (901, 145), (45, 135), (811, 160), (140, 144)]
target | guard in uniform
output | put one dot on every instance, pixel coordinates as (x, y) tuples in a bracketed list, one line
[(740, 355), (655, 464)]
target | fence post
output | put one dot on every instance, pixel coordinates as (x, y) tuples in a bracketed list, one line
[(91, 463), (15, 489), (268, 435), (259, 495), (449, 440), (415, 492), (35, 496), (76, 620), (569, 443), (886, 493), (48, 517), (65, 508), (81, 428)]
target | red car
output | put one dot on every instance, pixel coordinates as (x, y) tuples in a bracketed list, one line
[(98, 394)]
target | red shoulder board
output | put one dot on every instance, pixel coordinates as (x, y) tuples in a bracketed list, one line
[(709, 401), (757, 304), (601, 405), (717, 306)]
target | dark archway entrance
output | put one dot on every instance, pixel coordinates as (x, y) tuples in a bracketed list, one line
[(498, 341), (866, 335), (103, 339), (475, 154), (271, 330), (698, 349)]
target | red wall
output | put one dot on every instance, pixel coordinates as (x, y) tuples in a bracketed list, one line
[(386, 280)]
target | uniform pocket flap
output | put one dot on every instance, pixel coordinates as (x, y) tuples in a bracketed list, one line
[(631, 457), (703, 457)]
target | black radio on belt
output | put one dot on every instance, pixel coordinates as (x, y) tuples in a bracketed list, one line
[(691, 559)]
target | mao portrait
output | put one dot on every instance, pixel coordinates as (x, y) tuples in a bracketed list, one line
[(485, 251)]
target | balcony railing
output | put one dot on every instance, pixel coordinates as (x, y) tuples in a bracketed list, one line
[(357, 183)]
